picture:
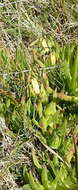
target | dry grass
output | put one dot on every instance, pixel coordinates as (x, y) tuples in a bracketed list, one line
[(29, 20)]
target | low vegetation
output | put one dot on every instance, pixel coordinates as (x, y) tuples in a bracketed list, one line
[(38, 96)]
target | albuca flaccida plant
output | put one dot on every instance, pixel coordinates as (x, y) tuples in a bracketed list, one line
[(71, 68), (40, 100)]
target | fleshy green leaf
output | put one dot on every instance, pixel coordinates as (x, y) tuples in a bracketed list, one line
[(27, 187), (35, 160), (50, 109)]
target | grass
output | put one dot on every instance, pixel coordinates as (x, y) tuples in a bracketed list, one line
[(29, 20), (38, 108)]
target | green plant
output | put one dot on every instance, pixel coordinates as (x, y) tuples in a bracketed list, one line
[(36, 112), (60, 178)]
